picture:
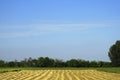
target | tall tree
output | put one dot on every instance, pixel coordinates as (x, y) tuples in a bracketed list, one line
[(114, 53), (59, 63), (72, 63), (2, 63)]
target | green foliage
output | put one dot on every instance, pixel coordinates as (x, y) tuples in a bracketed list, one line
[(45, 62), (2, 63), (59, 63), (72, 63), (49, 62), (111, 69), (114, 54)]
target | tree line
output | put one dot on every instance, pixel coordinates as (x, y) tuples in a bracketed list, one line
[(114, 55), (49, 62)]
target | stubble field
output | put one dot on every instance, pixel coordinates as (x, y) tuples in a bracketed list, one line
[(59, 75)]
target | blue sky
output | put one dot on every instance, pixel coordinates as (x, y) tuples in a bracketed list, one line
[(62, 29)]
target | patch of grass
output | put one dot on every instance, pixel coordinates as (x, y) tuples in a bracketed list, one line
[(111, 70), (3, 70)]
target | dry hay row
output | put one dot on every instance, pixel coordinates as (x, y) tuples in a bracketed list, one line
[(78, 75), (59, 75), (33, 75), (89, 76), (74, 75), (43, 75), (62, 75), (8, 76), (107, 76), (96, 75), (69, 76), (49, 76), (27, 75), (56, 75)]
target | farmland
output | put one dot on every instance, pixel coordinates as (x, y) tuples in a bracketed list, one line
[(58, 74)]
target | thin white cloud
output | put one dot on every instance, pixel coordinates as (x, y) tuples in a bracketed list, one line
[(14, 34), (41, 29)]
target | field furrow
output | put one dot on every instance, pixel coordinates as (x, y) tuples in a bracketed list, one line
[(62, 75), (69, 76), (74, 75), (43, 75), (59, 75)]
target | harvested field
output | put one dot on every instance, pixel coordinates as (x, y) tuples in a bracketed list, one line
[(59, 75)]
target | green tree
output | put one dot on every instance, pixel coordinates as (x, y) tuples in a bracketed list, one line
[(11, 64), (30, 62), (73, 63), (49, 62), (34, 62), (114, 53), (24, 62), (45, 62), (59, 63), (94, 64), (40, 62), (2, 63), (83, 63)]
